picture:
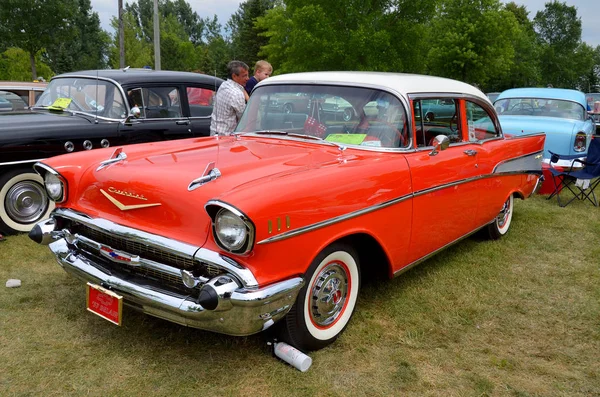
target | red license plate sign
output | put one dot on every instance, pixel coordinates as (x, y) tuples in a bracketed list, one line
[(104, 303)]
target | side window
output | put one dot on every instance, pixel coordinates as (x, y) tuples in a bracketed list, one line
[(156, 102), (200, 100), (480, 124), (436, 116)]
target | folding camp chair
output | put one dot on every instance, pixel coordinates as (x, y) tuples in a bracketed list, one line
[(580, 181)]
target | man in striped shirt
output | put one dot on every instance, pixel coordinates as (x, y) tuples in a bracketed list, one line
[(230, 100)]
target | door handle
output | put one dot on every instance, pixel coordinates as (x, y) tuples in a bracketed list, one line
[(470, 152), (182, 122)]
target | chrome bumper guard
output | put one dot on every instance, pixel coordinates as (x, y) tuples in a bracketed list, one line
[(240, 310)]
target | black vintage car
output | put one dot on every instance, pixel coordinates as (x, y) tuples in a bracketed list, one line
[(93, 109)]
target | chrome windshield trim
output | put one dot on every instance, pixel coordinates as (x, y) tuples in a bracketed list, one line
[(171, 246)]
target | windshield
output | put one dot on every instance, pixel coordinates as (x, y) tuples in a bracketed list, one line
[(97, 97), (347, 115), (540, 107)]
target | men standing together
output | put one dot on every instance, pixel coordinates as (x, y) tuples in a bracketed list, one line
[(232, 95), (230, 100)]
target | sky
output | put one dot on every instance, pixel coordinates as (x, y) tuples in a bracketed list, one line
[(587, 10)]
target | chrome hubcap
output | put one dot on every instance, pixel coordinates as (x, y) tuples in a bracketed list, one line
[(26, 202), (504, 214), (329, 295)]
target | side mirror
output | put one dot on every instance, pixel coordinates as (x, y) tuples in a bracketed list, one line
[(134, 114), (440, 142)]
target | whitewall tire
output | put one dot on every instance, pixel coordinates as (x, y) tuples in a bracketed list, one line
[(326, 303), (501, 224), (23, 201)]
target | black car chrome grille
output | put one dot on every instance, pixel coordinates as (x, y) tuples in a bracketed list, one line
[(135, 248)]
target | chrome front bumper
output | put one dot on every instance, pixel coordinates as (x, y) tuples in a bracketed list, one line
[(240, 311)]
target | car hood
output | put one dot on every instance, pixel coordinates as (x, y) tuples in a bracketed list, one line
[(149, 190), (33, 123), (560, 133)]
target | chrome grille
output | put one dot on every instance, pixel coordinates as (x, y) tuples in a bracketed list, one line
[(144, 251), (135, 248)]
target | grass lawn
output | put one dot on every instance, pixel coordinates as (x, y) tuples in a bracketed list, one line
[(514, 317)]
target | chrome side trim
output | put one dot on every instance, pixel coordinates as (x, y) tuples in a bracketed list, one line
[(21, 162), (525, 135), (331, 221), (531, 162), (341, 218), (162, 243)]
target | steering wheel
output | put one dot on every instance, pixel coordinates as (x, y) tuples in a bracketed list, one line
[(523, 106), (453, 123), (399, 134)]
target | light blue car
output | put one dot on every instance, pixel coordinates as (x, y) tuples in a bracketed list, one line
[(560, 113)]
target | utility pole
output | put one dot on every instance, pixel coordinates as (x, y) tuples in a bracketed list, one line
[(156, 38), (121, 38)]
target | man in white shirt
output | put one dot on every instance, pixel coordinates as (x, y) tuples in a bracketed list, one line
[(230, 100)]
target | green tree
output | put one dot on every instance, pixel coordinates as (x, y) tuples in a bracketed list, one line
[(33, 25), (559, 34), (138, 52), (525, 69), (87, 50), (472, 41), (379, 35), (143, 14), (246, 38), (15, 66), (177, 52)]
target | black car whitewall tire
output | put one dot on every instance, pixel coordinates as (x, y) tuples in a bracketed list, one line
[(501, 224), (23, 201), (326, 303)]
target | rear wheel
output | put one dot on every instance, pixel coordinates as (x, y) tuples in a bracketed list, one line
[(23, 200), (501, 224), (326, 303)]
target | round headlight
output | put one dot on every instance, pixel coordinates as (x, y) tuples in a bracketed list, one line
[(230, 230), (54, 186)]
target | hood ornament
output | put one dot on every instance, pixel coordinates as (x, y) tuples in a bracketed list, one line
[(116, 156), (210, 174), (124, 207)]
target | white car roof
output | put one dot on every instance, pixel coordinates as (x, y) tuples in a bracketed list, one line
[(403, 83)]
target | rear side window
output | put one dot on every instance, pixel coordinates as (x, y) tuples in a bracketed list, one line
[(480, 124), (200, 101)]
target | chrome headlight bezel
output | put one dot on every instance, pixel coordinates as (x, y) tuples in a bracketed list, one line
[(54, 183), (218, 212)]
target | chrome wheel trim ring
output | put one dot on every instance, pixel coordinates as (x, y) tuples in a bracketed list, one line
[(26, 202), (329, 294)]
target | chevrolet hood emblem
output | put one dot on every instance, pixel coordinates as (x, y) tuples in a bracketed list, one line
[(124, 207)]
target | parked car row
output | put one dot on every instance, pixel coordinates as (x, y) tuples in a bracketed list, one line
[(89, 110), (559, 113), (274, 226)]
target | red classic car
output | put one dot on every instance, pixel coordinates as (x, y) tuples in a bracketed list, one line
[(277, 223)]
